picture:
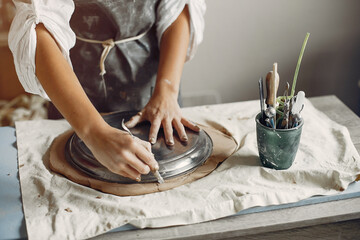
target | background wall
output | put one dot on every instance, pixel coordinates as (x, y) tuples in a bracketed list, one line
[(243, 38)]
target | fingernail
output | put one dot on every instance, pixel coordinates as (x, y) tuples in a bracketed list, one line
[(197, 128), (184, 138), (152, 140), (156, 167), (138, 179), (170, 142)]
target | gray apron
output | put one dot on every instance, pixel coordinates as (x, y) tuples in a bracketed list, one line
[(131, 67)]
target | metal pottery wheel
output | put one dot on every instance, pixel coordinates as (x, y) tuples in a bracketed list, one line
[(173, 161)]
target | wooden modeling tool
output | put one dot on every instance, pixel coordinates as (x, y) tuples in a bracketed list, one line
[(272, 84)]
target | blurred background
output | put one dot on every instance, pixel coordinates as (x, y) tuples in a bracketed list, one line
[(242, 39), (9, 85)]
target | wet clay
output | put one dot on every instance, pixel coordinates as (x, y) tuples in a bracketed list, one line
[(223, 147)]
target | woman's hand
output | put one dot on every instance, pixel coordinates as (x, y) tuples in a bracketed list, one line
[(163, 111), (163, 108), (115, 149), (120, 152)]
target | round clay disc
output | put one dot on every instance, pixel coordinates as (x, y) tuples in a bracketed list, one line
[(223, 146), (174, 161)]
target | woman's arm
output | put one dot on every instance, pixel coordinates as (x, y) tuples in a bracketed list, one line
[(115, 149), (163, 108)]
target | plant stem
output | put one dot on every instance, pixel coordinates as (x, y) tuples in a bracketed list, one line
[(298, 64)]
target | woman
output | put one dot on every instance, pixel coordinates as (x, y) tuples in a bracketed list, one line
[(139, 49)]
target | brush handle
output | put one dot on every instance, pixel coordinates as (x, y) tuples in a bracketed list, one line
[(272, 85)]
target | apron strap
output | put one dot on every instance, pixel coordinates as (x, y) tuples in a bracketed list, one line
[(108, 45)]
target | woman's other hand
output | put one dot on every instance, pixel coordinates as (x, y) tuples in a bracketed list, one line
[(163, 111), (163, 108)]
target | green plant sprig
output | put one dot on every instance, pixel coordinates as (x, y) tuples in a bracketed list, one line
[(298, 64), (281, 99)]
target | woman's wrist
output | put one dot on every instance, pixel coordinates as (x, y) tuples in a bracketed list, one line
[(90, 127), (166, 88)]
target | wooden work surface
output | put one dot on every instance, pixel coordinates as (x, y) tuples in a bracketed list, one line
[(329, 220)]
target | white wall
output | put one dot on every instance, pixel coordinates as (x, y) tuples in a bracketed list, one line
[(243, 38)]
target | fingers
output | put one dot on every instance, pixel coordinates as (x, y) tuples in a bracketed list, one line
[(126, 170), (167, 125), (168, 132), (121, 153), (154, 129), (180, 130), (138, 160), (190, 125), (146, 145), (134, 120), (147, 158), (140, 157)]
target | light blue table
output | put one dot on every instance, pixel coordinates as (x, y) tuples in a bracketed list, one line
[(12, 223)]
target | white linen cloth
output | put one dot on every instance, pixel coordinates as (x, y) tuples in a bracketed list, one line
[(55, 15), (56, 208)]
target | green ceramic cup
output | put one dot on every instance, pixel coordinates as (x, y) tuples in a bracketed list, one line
[(277, 147)]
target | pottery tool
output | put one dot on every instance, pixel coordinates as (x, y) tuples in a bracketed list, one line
[(296, 120), (290, 106), (261, 93), (270, 112), (155, 172), (268, 123), (298, 103), (286, 108), (297, 107), (272, 84)]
